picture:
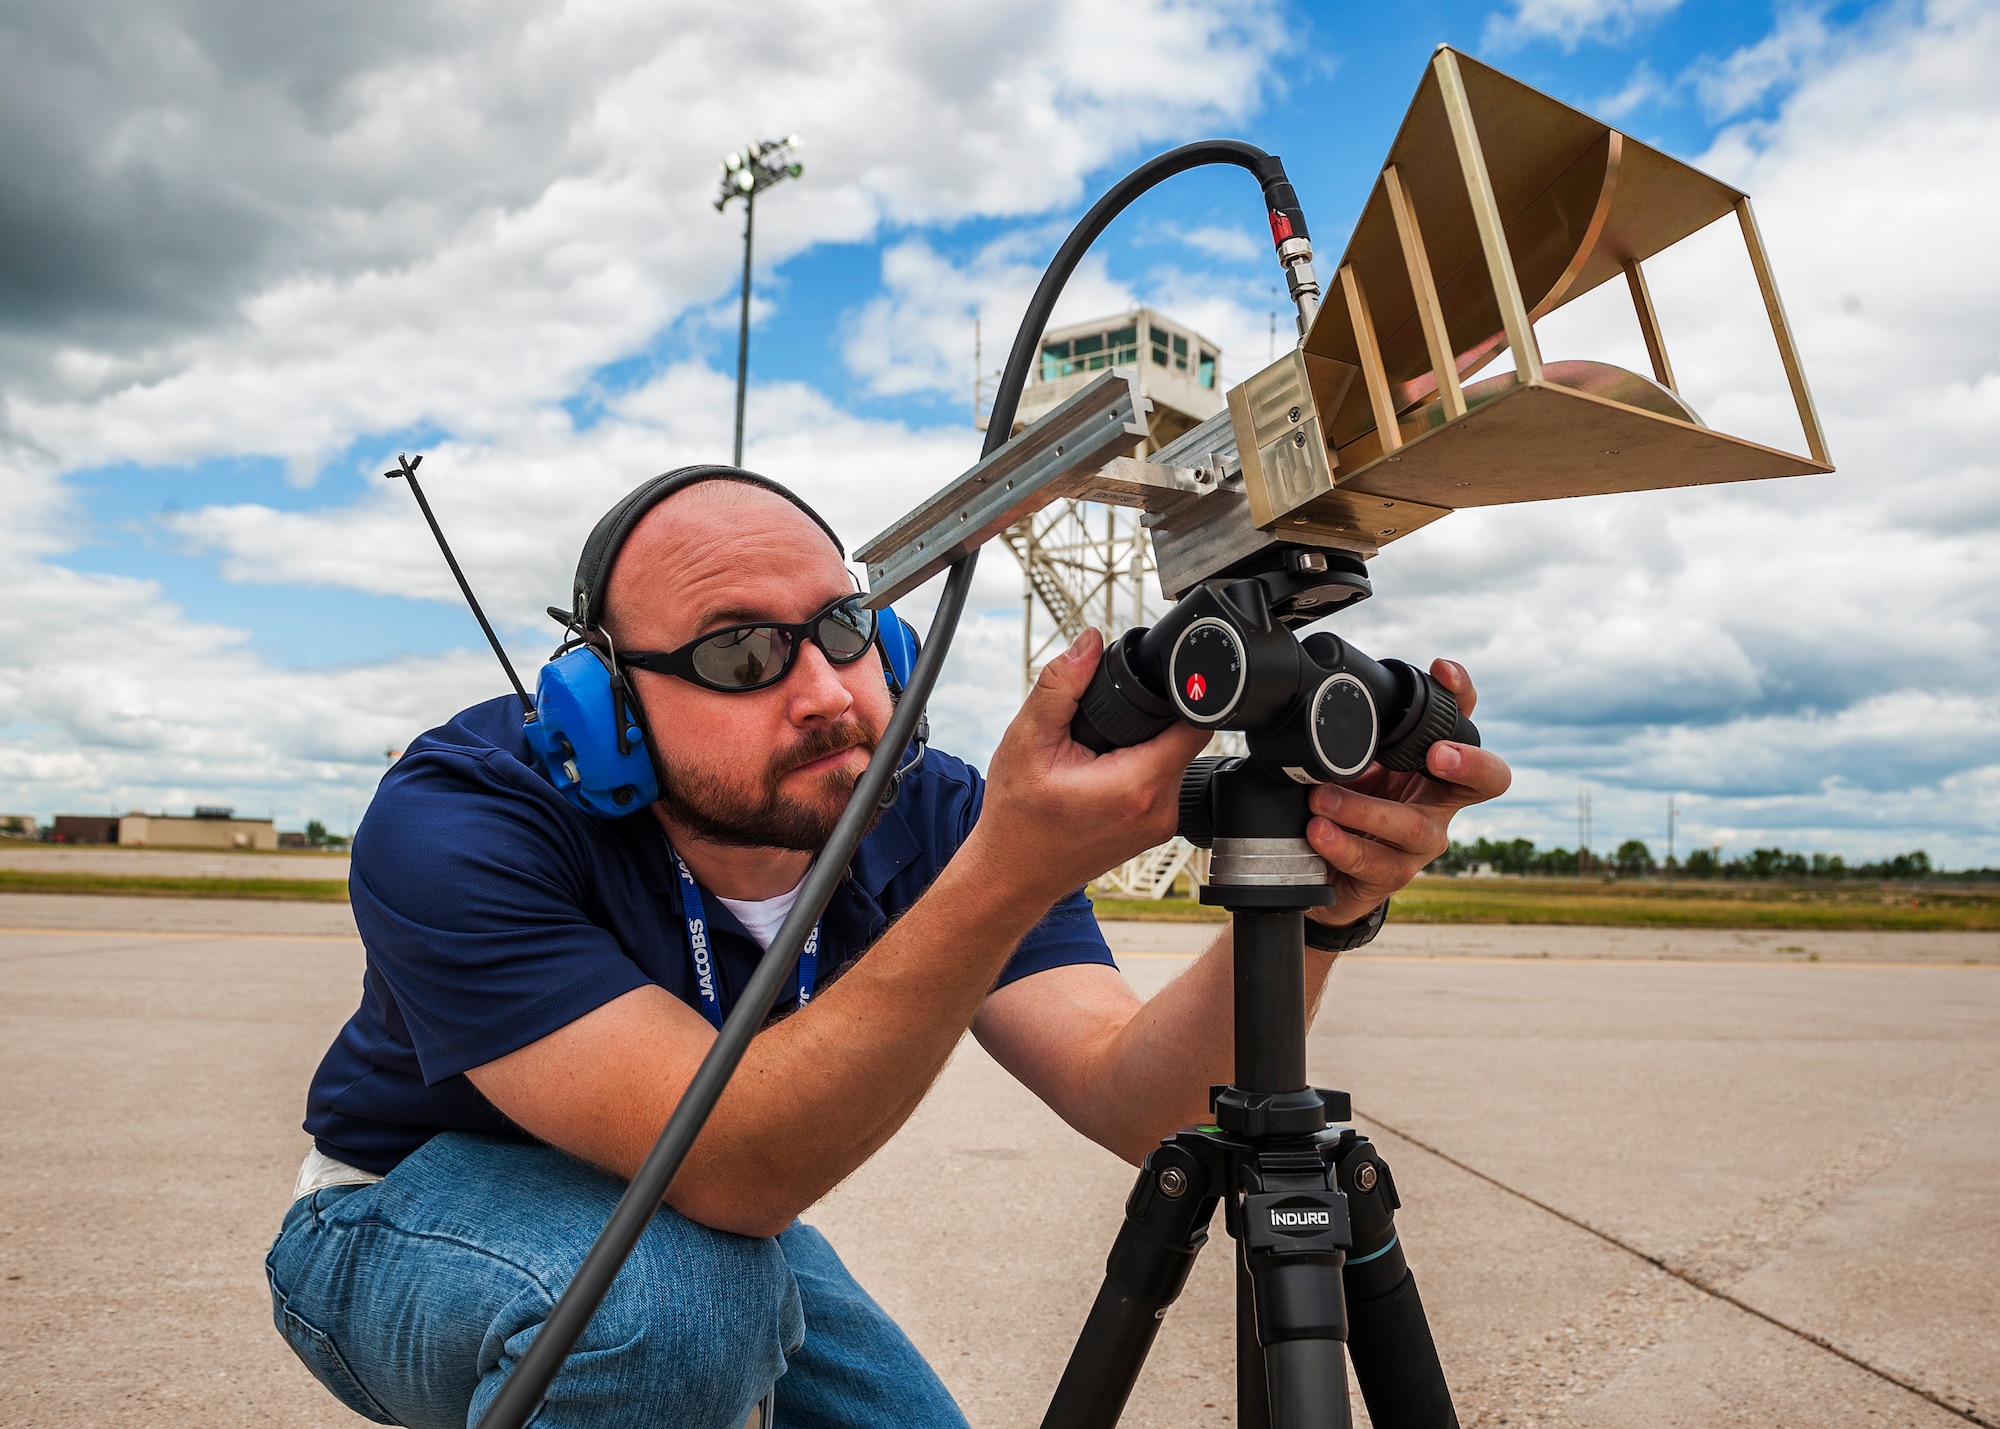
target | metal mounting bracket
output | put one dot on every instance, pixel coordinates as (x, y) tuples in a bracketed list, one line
[(1065, 454)]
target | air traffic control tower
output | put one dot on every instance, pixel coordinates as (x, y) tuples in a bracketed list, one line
[(1179, 369)]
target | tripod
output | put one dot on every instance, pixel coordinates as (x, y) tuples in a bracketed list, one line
[(1320, 1272)]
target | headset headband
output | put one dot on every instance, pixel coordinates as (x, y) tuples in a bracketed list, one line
[(607, 538)]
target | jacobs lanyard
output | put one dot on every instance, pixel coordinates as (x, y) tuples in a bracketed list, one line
[(705, 985)]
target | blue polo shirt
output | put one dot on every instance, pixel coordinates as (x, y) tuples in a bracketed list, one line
[(494, 912)]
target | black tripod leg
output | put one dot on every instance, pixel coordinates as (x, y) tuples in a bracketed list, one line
[(1395, 1359), (1253, 1399), (1308, 1384), (1303, 1329), (1166, 1225)]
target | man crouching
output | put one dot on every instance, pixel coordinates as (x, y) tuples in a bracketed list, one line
[(541, 985)]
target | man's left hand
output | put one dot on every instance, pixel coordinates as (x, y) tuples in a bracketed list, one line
[(1382, 830)]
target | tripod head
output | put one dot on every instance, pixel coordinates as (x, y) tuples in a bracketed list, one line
[(1307, 1199), (1313, 711)]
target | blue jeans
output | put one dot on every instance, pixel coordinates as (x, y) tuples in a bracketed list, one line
[(412, 1299)]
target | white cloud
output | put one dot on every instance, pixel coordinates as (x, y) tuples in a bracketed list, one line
[(113, 698), (614, 235), (1744, 78), (916, 333), (1641, 88), (445, 221), (1231, 245), (518, 503), (1571, 22)]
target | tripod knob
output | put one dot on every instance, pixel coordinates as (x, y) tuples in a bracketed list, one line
[(1117, 710), (1437, 718), (1197, 823)]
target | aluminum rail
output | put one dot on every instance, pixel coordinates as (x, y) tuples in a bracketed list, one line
[(1052, 459)]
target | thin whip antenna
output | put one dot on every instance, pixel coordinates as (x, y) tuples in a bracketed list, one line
[(406, 467)]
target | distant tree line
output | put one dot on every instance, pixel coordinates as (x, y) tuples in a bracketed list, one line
[(1634, 859)]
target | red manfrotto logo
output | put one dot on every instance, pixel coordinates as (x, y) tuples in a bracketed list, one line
[(1196, 686)]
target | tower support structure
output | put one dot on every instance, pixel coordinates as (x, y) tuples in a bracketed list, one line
[(1081, 564), (1087, 564)]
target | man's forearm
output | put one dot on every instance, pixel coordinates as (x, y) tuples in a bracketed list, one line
[(815, 1095), (1154, 1073), (821, 1091)]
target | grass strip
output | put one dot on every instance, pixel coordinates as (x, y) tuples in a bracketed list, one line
[(1156, 910), (1864, 907), (295, 890), (1417, 907)]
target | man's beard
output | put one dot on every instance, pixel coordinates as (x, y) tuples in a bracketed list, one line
[(713, 810)]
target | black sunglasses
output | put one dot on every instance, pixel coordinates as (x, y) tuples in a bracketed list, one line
[(750, 657)]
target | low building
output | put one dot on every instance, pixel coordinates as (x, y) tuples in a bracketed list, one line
[(206, 828), (18, 826), (85, 829)]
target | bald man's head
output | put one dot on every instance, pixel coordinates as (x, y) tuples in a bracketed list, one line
[(770, 767), (684, 568)]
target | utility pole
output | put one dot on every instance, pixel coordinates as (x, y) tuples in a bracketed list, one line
[(1583, 832), (744, 176), (1670, 838)]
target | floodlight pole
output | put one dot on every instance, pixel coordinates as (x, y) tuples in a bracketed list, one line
[(744, 176), (743, 323)]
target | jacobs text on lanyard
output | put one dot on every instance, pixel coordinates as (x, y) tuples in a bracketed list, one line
[(706, 987)]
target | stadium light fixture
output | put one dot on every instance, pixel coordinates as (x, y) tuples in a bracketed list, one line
[(744, 176)]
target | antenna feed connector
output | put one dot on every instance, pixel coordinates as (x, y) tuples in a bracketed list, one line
[(1296, 254)]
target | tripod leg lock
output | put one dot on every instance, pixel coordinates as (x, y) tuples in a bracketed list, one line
[(1166, 1221), (1296, 1232), (1375, 1263), (1395, 1359), (1166, 1225)]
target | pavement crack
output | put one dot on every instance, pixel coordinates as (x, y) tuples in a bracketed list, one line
[(1687, 1276), (1750, 1240), (97, 950)]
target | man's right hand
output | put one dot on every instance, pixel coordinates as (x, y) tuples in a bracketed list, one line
[(1058, 814)]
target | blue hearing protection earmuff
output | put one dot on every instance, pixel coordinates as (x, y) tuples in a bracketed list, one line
[(591, 750), (587, 729), (898, 644)]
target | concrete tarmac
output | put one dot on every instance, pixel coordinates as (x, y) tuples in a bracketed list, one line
[(1810, 1149)]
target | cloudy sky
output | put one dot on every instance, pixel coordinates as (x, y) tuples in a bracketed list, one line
[(248, 252)]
